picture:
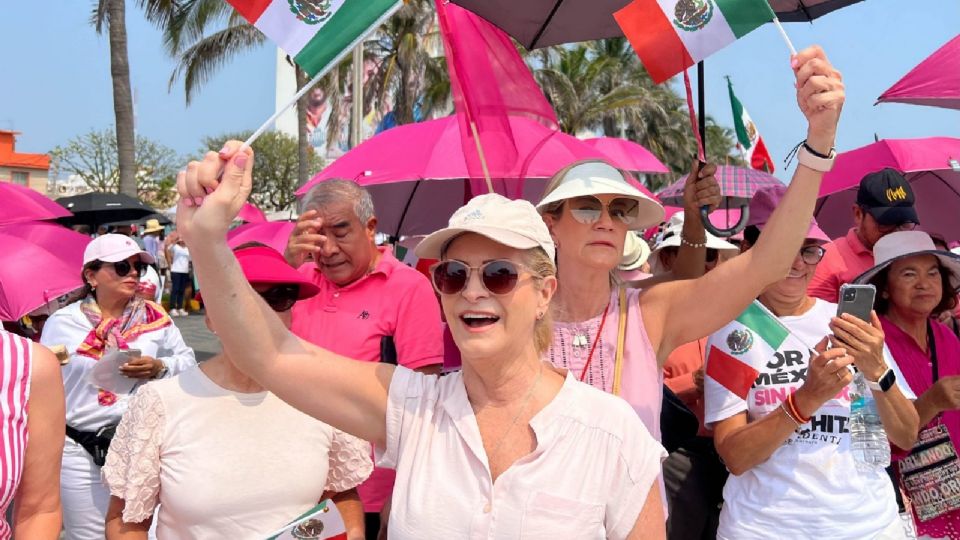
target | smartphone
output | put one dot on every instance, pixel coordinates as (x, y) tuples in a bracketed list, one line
[(132, 354), (856, 300)]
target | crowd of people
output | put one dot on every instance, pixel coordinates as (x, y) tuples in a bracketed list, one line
[(544, 380)]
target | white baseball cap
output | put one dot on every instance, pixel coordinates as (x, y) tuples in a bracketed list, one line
[(114, 248), (599, 178), (514, 224)]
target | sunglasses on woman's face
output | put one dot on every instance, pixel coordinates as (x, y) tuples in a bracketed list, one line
[(281, 298), (122, 268), (588, 209), (812, 254), (498, 277)]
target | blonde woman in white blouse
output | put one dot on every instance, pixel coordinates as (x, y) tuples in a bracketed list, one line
[(509, 447), (223, 457)]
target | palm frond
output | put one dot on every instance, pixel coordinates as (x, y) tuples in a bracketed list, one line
[(201, 60)]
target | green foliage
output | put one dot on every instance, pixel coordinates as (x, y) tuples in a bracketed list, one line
[(93, 157), (275, 167)]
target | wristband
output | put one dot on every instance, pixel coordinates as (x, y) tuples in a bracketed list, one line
[(816, 161), (792, 405), (783, 407)]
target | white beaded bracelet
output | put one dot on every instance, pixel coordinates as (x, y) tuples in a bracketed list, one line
[(694, 245)]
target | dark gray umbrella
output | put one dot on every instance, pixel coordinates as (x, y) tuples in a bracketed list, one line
[(96, 209), (541, 23)]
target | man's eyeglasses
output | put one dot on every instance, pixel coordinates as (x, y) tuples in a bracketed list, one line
[(281, 298)]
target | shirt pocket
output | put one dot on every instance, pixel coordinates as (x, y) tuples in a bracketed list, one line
[(551, 517)]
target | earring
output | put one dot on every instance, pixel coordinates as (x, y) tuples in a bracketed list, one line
[(540, 315)]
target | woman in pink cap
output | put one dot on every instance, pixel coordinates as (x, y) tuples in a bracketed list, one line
[(222, 457), (109, 318), (780, 407)]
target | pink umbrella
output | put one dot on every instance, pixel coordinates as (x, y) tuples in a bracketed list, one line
[(934, 82), (272, 233), (21, 204), (38, 263), (628, 155), (251, 214), (930, 164), (417, 174)]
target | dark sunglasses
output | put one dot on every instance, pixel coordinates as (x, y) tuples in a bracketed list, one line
[(588, 209), (498, 277), (281, 298), (812, 254), (122, 268)]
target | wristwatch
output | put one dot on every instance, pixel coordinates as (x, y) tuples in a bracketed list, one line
[(163, 371), (818, 162), (885, 382)]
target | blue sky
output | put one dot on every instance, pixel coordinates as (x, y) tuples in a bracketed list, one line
[(57, 77)]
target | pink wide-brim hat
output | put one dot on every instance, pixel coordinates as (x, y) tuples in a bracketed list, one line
[(766, 200)]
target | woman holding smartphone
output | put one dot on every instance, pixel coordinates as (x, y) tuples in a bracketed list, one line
[(780, 418), (109, 317)]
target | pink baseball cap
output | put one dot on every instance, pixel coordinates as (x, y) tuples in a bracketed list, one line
[(265, 265), (114, 248), (763, 203)]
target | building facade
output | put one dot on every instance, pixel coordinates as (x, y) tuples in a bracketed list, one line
[(30, 170)]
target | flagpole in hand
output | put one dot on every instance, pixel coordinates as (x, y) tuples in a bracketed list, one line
[(786, 38)]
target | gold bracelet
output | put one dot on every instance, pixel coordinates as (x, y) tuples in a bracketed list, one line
[(789, 414)]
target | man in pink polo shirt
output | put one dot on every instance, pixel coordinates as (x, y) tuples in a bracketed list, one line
[(371, 307), (885, 203)]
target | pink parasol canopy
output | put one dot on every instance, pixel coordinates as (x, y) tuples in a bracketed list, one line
[(272, 233), (251, 214), (628, 155), (22, 204), (417, 175), (930, 164), (934, 82), (38, 263)]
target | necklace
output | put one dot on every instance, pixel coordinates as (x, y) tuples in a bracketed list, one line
[(523, 407), (603, 321), (581, 336)]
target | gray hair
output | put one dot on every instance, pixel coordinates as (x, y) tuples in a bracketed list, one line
[(338, 191)]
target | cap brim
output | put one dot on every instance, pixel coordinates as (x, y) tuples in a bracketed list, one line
[(650, 212), (950, 261), (894, 215), (433, 245), (144, 257)]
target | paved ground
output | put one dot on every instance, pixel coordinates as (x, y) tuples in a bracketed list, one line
[(196, 335)]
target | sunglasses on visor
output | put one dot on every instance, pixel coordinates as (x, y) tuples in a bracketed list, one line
[(588, 209)]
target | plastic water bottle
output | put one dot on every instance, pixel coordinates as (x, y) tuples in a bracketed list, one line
[(868, 440)]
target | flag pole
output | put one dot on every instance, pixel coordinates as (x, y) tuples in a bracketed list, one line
[(783, 34), (483, 159), (316, 78)]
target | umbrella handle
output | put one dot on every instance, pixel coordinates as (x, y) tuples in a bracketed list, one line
[(724, 233)]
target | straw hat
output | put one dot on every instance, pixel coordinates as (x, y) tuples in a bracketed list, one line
[(904, 244), (636, 251), (151, 226)]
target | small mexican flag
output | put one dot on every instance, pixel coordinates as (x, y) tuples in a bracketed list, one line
[(316, 33), (672, 35), (748, 136), (736, 351)]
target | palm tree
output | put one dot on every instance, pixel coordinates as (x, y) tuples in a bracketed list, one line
[(112, 14), (407, 74)]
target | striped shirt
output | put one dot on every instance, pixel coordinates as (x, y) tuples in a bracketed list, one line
[(14, 393)]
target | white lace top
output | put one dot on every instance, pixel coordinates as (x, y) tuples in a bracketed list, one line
[(224, 464)]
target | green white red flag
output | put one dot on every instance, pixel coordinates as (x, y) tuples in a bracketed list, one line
[(736, 352), (748, 136), (672, 35), (316, 33)]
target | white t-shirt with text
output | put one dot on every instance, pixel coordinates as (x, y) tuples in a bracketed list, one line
[(809, 487)]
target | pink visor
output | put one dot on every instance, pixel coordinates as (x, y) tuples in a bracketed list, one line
[(766, 200), (263, 265)]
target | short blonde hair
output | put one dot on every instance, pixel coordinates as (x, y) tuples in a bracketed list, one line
[(542, 267)]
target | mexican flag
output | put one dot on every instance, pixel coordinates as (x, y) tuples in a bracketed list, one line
[(316, 33), (736, 351), (672, 35), (748, 136)]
